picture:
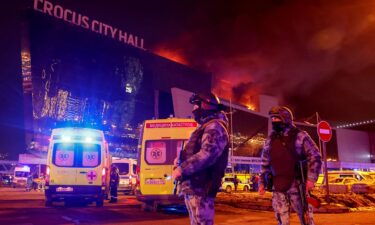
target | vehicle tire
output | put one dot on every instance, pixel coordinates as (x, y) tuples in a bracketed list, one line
[(228, 189), (99, 202), (246, 189), (155, 206)]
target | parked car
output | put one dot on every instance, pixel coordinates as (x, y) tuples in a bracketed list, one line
[(340, 185), (228, 185), (347, 181), (359, 176), (6, 180), (371, 174)]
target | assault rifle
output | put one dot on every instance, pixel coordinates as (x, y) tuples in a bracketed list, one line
[(176, 182), (303, 193)]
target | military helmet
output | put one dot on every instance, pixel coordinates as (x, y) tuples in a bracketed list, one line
[(282, 112), (207, 98)]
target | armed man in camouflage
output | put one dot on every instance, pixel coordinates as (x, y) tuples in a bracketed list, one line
[(204, 159), (284, 148)]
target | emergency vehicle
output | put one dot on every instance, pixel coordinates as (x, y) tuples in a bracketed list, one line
[(127, 168), (20, 176), (159, 145), (78, 165)]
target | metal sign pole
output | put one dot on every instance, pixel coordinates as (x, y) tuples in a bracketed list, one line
[(325, 134), (325, 171), (317, 122), (231, 135)]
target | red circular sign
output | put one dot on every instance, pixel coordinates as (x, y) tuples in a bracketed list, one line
[(324, 131)]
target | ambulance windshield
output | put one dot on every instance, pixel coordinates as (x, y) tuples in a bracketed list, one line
[(123, 167)]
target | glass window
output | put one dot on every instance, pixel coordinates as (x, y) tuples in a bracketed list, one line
[(229, 179), (90, 154), (338, 180), (76, 155), (346, 175), (348, 181), (21, 174), (162, 152), (123, 168), (64, 154), (134, 169)]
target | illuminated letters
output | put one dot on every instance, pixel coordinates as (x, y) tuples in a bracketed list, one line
[(85, 22), (66, 15), (113, 31), (48, 7), (130, 40), (93, 24), (58, 12), (36, 5), (77, 19), (105, 29), (122, 36)]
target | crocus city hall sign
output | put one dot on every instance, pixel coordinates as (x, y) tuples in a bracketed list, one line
[(86, 22)]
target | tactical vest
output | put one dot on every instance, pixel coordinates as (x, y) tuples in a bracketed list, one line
[(284, 160), (208, 179)]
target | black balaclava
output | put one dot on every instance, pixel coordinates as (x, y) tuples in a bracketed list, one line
[(286, 118), (278, 126), (200, 114), (211, 105)]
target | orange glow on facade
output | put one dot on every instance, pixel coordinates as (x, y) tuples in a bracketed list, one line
[(173, 55)]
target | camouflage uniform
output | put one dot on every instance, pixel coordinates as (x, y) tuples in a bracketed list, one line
[(281, 201), (201, 209), (199, 196)]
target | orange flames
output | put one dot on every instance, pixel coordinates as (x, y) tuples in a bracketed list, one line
[(224, 89), (173, 55)]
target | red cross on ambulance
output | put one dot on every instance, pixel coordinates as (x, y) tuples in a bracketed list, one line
[(91, 175)]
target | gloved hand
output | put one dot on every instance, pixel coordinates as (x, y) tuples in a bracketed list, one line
[(261, 189), (176, 174), (309, 185)]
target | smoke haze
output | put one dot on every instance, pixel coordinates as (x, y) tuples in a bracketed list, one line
[(313, 55)]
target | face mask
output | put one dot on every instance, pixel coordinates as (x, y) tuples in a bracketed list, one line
[(278, 126), (198, 113)]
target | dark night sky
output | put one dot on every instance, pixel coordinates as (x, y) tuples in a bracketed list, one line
[(315, 55)]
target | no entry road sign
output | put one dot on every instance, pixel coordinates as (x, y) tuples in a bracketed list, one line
[(324, 131)]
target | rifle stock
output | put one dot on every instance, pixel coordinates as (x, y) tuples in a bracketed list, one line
[(303, 195), (179, 161)]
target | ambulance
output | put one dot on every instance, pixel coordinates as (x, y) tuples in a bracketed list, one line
[(159, 144), (127, 168), (20, 176), (78, 165)]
